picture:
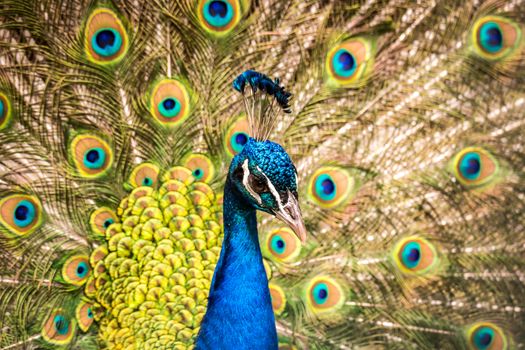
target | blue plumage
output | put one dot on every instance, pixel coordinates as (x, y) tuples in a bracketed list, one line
[(239, 314)]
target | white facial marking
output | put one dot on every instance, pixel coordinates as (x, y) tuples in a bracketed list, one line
[(273, 191), (245, 175)]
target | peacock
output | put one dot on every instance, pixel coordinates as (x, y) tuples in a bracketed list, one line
[(262, 174)]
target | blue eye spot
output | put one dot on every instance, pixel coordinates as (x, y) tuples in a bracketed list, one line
[(491, 37), (411, 255), (169, 103), (218, 8), (238, 140), (198, 173), (325, 187), (320, 293), (218, 13), (278, 244), (470, 166), (61, 324), (328, 186), (344, 63), (94, 158), (2, 109), (24, 213), (108, 222), (483, 338), (170, 107), (90, 313), (106, 42), (147, 181), (105, 38), (21, 212), (241, 138), (82, 270)]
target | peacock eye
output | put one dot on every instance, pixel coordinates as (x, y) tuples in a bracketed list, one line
[(349, 62), (108, 223), (21, 214), (84, 315), (101, 219), (324, 294), (485, 336), (495, 38), (331, 186), (259, 185), (91, 155), (236, 136), (219, 17), (145, 174), (415, 256), (474, 167), (94, 158), (238, 140), (106, 42), (76, 270), (170, 102), (282, 245), (106, 39), (491, 37), (201, 167), (169, 107), (278, 298), (344, 63), (58, 328)]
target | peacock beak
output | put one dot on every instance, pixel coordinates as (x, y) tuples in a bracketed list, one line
[(290, 213)]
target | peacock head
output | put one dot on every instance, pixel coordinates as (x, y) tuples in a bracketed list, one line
[(265, 177)]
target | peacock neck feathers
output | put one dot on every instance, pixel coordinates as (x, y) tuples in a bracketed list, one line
[(239, 314)]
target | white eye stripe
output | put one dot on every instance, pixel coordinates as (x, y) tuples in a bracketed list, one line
[(273, 191), (246, 184)]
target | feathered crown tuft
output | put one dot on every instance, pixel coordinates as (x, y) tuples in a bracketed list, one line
[(260, 102)]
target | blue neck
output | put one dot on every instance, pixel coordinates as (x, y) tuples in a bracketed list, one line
[(239, 314)]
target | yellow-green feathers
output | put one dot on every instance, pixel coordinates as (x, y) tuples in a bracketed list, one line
[(154, 272)]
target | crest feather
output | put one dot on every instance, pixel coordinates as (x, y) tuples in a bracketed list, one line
[(260, 101)]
